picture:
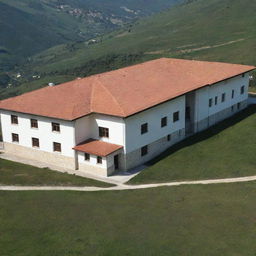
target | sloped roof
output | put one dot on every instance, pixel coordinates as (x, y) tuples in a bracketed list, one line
[(125, 91), (97, 147)]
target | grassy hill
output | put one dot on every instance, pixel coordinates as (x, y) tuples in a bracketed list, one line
[(30, 26), (215, 30)]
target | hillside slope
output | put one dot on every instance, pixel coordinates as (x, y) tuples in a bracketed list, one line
[(215, 30), (30, 26)]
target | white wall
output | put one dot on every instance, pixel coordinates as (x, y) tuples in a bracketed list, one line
[(43, 133), (83, 129), (134, 138), (92, 161), (203, 95), (115, 125)]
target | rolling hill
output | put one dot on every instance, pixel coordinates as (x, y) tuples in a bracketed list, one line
[(215, 30), (30, 26)]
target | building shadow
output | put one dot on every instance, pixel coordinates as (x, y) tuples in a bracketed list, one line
[(204, 135)]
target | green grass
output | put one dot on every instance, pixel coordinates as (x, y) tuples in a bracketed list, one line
[(182, 32), (210, 220), (223, 151), (12, 173)]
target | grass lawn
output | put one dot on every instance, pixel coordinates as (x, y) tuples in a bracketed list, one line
[(188, 220), (223, 151), (12, 173)]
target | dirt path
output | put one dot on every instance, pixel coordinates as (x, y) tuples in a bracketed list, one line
[(126, 187)]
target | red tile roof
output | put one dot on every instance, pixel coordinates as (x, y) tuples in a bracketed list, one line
[(125, 91), (97, 147)]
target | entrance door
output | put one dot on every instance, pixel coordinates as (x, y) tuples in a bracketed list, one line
[(116, 162)]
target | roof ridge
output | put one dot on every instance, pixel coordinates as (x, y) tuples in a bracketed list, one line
[(107, 90)]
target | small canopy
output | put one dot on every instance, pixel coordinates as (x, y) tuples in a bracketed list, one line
[(97, 147)]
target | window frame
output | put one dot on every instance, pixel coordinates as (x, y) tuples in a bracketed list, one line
[(216, 100), (14, 119), (99, 159), (87, 157), (233, 94), (55, 127), (176, 116), (15, 138), (223, 97), (57, 147), (103, 132), (37, 144), (210, 102), (242, 90), (144, 150), (34, 123), (164, 121), (144, 128)]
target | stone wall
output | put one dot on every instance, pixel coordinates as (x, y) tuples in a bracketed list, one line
[(134, 158), (39, 155)]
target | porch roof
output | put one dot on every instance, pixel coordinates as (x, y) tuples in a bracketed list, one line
[(97, 147)]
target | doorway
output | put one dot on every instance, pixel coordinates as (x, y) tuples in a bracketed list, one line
[(116, 162)]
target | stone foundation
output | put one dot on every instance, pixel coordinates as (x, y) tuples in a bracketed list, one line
[(42, 156), (134, 158)]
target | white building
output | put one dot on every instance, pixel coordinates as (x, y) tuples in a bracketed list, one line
[(121, 119)]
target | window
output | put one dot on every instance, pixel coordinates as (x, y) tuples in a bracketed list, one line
[(14, 119), (86, 157), (232, 108), (238, 105), (144, 150), (210, 103), (163, 121), (176, 116), (99, 160), (223, 97), (103, 132), (35, 142), (233, 94), (56, 147), (216, 100), (15, 137), (242, 89), (55, 127), (33, 123), (243, 75), (144, 128), (169, 137)]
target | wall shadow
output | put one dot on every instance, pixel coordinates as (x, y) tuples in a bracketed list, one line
[(250, 110)]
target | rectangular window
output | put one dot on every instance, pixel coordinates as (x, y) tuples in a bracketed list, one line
[(232, 108), (233, 94), (103, 132), (216, 100), (144, 150), (210, 103), (55, 127), (34, 123), (35, 142), (144, 128), (169, 137), (14, 119), (176, 116), (86, 157), (242, 89), (223, 97), (56, 147), (15, 137), (99, 160), (243, 75), (238, 105), (164, 121)]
